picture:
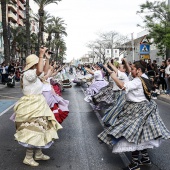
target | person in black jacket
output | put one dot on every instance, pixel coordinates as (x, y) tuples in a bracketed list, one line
[(11, 68), (162, 76)]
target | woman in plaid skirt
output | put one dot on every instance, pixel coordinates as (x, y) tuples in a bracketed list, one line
[(138, 125), (98, 83), (119, 95), (108, 95)]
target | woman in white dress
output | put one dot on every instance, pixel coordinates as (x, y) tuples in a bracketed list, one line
[(36, 126)]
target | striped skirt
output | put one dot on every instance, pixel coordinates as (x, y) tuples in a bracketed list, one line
[(106, 95), (138, 126), (113, 111)]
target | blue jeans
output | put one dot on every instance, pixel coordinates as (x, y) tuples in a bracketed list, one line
[(167, 79)]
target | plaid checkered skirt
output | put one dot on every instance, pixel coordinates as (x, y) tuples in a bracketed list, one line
[(137, 123), (113, 111), (105, 95)]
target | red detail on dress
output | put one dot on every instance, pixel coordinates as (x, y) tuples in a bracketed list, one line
[(57, 89), (60, 115)]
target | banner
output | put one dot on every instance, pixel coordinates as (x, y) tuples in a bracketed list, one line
[(108, 53), (116, 53)]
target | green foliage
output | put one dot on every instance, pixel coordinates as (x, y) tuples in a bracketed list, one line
[(43, 3), (157, 21)]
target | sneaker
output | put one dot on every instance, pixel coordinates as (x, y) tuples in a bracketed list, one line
[(154, 97), (132, 166)]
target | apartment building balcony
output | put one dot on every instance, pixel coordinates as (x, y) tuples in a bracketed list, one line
[(12, 16), (15, 1), (21, 5), (13, 25), (20, 13), (12, 7), (20, 22)]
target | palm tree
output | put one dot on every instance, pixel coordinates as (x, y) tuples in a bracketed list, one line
[(42, 4), (59, 46), (59, 31), (5, 32), (27, 23), (60, 28), (18, 37), (49, 29)]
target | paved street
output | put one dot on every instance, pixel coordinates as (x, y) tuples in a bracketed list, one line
[(78, 147)]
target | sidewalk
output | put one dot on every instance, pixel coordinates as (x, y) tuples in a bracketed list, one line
[(2, 86), (164, 97)]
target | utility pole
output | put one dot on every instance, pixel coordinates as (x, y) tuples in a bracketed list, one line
[(93, 55), (112, 47), (133, 52)]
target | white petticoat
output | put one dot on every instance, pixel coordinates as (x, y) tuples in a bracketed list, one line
[(124, 146)]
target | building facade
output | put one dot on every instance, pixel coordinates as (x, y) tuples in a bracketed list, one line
[(134, 53), (15, 17)]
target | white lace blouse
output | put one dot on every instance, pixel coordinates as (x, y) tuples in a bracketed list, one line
[(134, 90), (31, 83)]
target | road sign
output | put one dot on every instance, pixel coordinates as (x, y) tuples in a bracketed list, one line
[(144, 48), (144, 40), (146, 57)]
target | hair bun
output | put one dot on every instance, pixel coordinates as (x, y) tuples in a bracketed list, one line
[(143, 63)]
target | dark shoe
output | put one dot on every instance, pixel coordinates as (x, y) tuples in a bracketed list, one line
[(145, 161), (132, 166)]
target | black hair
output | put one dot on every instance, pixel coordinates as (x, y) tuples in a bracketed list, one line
[(140, 64)]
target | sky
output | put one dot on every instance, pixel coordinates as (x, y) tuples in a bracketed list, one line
[(86, 18)]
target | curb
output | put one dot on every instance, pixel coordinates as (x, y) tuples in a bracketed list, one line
[(165, 99)]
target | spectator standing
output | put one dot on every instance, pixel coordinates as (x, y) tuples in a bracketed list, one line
[(162, 77), (4, 73), (167, 76), (149, 65)]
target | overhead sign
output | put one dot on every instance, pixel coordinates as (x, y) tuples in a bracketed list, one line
[(144, 48)]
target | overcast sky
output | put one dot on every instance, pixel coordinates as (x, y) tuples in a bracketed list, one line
[(86, 18)]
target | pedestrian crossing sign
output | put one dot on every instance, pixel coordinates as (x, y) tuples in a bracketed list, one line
[(144, 48)]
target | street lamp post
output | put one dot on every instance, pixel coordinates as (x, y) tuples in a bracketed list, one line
[(93, 55)]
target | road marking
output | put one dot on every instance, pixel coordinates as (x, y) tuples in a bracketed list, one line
[(123, 156), (12, 93), (7, 109), (9, 97)]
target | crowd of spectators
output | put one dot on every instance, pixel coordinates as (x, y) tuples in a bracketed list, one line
[(160, 76), (12, 68)]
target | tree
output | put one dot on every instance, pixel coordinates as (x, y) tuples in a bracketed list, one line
[(6, 36), (18, 37), (42, 4), (157, 22), (27, 23), (106, 40)]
